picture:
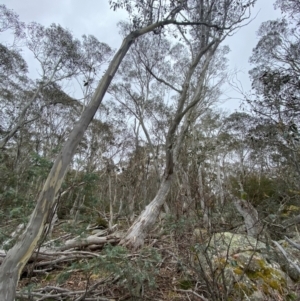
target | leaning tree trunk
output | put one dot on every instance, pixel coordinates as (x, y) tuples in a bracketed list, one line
[(19, 254)]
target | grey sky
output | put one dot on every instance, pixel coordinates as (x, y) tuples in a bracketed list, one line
[(94, 17), (241, 45)]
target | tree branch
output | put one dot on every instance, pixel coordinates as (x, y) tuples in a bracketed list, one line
[(159, 79)]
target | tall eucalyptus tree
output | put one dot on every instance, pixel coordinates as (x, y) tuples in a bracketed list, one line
[(275, 81)]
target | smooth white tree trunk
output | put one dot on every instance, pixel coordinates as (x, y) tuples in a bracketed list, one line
[(146, 221)]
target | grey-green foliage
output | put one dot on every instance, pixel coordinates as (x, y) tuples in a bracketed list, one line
[(63, 277), (134, 272), (179, 225)]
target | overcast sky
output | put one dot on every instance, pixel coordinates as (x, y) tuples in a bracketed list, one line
[(94, 17)]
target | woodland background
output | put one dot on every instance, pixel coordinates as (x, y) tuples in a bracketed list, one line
[(224, 167)]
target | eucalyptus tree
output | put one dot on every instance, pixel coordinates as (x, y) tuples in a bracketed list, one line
[(57, 111), (276, 71), (291, 8), (275, 77), (206, 42), (58, 55), (13, 68), (258, 173), (199, 125), (13, 84), (248, 150), (215, 19), (140, 94), (150, 78), (9, 20), (199, 162)]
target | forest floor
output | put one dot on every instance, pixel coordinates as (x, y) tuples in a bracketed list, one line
[(163, 270), (149, 277), (76, 285)]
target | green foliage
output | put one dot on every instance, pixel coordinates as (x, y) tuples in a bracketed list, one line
[(90, 178), (292, 297), (257, 189), (29, 288), (63, 277), (40, 166), (78, 230), (102, 222), (178, 225), (9, 194), (185, 284), (16, 212), (85, 189), (133, 273)]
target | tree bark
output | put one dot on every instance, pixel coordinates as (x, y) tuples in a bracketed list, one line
[(147, 219)]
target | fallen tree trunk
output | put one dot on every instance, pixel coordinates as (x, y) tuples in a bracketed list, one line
[(62, 252), (91, 240)]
